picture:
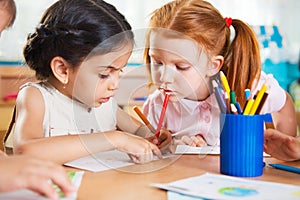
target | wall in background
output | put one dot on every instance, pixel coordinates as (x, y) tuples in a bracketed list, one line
[(13, 39), (282, 13)]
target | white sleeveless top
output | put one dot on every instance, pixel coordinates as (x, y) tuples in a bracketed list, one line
[(67, 116)]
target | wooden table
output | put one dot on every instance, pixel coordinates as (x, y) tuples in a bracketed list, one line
[(133, 182)]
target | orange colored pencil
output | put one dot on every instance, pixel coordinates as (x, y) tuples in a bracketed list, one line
[(143, 118)]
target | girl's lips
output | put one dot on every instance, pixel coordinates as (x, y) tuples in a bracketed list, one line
[(104, 100), (167, 91)]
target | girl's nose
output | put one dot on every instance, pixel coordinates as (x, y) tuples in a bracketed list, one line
[(114, 82), (167, 74)]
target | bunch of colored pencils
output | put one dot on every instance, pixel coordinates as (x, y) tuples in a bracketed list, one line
[(226, 98)]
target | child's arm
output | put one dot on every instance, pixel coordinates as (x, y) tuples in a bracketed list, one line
[(285, 119), (29, 138), (128, 123)]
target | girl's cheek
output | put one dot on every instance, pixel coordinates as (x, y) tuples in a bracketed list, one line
[(156, 76)]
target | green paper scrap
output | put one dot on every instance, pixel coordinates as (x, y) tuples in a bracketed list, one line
[(71, 175)]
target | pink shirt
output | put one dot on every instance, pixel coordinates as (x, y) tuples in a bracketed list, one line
[(187, 117)]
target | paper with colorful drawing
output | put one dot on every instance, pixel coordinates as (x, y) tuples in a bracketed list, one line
[(75, 178), (214, 186)]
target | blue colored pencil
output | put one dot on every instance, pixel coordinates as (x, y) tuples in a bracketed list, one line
[(286, 168)]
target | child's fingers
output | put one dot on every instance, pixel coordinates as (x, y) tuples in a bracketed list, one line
[(153, 139), (141, 158), (58, 176), (187, 140), (156, 151), (43, 186), (147, 155), (198, 141), (164, 139)]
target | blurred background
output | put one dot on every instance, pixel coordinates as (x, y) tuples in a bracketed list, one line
[(275, 22)]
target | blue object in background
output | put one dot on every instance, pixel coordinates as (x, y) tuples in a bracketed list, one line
[(11, 63), (266, 37), (140, 98), (134, 65), (275, 55), (279, 71), (276, 37), (284, 72)]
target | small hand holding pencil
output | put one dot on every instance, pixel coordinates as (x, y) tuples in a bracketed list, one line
[(161, 136)]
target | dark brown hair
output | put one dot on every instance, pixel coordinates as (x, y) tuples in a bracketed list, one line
[(73, 29)]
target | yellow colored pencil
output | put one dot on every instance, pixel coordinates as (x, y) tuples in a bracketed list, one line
[(225, 83), (248, 106), (258, 99)]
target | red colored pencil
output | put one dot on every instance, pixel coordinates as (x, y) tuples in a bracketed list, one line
[(162, 114)]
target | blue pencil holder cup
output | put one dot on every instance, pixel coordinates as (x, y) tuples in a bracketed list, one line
[(241, 145)]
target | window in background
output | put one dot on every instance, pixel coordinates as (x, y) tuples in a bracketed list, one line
[(13, 39)]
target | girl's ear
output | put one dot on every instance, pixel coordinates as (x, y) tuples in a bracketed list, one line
[(217, 63), (60, 69)]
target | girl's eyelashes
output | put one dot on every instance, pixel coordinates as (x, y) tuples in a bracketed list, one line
[(103, 76), (107, 74), (179, 66), (182, 68), (157, 64)]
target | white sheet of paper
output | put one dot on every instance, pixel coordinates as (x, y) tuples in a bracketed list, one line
[(214, 186), (177, 196), (29, 195), (185, 149), (213, 150), (104, 161)]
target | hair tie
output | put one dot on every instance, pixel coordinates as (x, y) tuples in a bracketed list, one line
[(228, 21)]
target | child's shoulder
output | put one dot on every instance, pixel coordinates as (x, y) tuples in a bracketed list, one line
[(269, 80), (276, 94), (29, 88), (29, 95), (36, 85)]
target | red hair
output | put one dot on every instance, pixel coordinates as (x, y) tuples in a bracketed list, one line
[(202, 22)]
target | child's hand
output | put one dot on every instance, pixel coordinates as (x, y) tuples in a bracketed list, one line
[(139, 150), (194, 141), (20, 172), (281, 146), (164, 139)]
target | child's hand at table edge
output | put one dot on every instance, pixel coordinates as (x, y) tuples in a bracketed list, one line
[(194, 141)]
